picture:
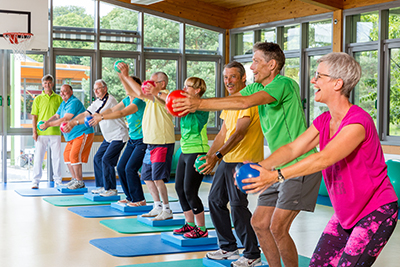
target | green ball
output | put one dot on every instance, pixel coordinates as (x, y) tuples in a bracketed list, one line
[(199, 162), (38, 125), (116, 65)]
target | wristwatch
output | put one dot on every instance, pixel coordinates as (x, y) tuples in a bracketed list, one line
[(219, 155), (77, 122), (159, 94), (281, 178)]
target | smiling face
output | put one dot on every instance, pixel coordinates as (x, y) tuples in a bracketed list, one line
[(65, 92), (47, 86), (99, 90), (261, 68), (323, 84), (232, 80)]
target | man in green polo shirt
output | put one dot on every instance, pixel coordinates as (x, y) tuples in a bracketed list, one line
[(44, 106)]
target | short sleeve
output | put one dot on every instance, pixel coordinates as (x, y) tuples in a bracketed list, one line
[(35, 109), (139, 103)]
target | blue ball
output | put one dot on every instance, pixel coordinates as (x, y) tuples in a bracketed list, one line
[(87, 119), (245, 172)]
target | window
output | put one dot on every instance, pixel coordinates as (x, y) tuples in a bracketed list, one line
[(320, 33), (365, 93), (394, 93), (160, 35), (244, 43), (207, 71), (268, 35), (292, 68), (201, 41), (291, 35), (394, 21), (365, 27), (315, 108)]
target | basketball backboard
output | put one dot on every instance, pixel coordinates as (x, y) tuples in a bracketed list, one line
[(25, 16)]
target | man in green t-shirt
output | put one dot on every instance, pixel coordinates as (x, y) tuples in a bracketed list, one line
[(45, 106), (282, 121)]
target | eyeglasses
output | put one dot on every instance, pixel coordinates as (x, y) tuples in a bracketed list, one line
[(187, 86), (318, 75), (98, 88), (159, 82)]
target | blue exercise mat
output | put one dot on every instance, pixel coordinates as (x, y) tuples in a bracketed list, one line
[(107, 211), (181, 263), (28, 192), (134, 246)]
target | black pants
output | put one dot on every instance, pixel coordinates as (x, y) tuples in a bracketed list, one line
[(223, 190), (187, 183)]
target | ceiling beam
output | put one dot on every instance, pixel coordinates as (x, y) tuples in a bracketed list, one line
[(328, 4)]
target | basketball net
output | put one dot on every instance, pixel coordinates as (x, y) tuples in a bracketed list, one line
[(19, 42)]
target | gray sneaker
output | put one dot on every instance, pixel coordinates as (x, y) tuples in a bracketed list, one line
[(71, 182), (164, 215), (109, 193), (223, 255), (245, 262), (77, 185), (153, 213), (98, 190)]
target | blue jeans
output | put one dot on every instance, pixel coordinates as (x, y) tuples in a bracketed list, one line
[(128, 167), (105, 161)]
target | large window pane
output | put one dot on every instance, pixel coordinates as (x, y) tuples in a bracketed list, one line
[(20, 151), (316, 108), (394, 109), (77, 16), (206, 71), (244, 43), (118, 28), (110, 76), (292, 68), (394, 23), (249, 72), (365, 93), (161, 33), (268, 35), (75, 71), (320, 33), (291, 36), (199, 40), (365, 27)]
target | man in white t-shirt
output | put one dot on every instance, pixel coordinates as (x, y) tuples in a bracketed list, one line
[(115, 133)]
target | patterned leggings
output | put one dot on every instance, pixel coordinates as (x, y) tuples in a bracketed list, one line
[(358, 246)]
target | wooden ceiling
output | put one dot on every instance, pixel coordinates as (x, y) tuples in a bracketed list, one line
[(229, 14)]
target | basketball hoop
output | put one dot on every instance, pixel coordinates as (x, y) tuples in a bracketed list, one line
[(19, 42)]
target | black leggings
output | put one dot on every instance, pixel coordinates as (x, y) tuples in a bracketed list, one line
[(187, 183)]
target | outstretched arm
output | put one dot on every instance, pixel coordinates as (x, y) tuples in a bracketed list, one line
[(131, 87), (233, 102), (130, 109)]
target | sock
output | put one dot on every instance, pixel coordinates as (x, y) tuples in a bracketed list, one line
[(203, 228), (157, 204), (191, 224), (165, 206)]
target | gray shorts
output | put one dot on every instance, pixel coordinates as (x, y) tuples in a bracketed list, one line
[(299, 193)]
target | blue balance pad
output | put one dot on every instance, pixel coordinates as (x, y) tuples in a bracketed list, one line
[(98, 198), (182, 241), (149, 221), (126, 208), (223, 263), (64, 189), (134, 246)]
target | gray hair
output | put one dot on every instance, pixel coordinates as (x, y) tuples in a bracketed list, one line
[(67, 85), (343, 66), (162, 76), (48, 77), (101, 81), (239, 66)]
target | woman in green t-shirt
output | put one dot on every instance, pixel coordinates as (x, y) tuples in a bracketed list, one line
[(194, 141)]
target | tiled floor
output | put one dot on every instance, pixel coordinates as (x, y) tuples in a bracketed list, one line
[(36, 233)]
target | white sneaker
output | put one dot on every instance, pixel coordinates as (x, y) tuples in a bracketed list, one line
[(223, 255), (56, 183), (245, 262), (164, 215), (153, 213), (71, 182), (98, 190), (35, 186), (109, 193), (76, 185)]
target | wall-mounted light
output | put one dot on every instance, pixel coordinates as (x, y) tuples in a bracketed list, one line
[(145, 2)]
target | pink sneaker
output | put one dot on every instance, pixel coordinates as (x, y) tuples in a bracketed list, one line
[(184, 229), (196, 233)]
